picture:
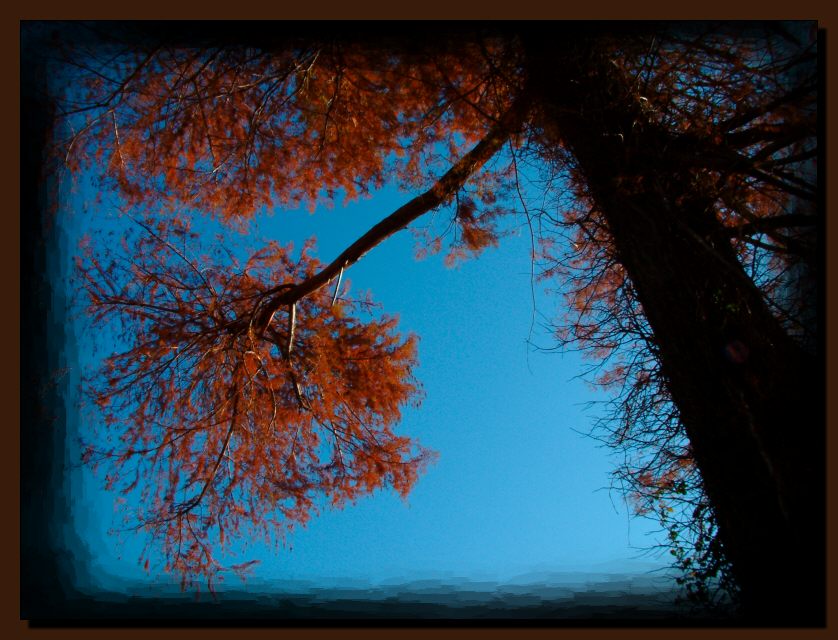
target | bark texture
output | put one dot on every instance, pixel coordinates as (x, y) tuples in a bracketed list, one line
[(755, 426)]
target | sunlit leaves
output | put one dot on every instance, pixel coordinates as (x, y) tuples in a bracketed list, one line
[(233, 418), (222, 429), (233, 130)]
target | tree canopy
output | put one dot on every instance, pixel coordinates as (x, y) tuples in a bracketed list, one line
[(677, 183)]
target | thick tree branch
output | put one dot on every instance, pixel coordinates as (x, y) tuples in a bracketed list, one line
[(444, 188), (762, 225)]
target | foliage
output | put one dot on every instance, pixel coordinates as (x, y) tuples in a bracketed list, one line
[(237, 376), (233, 429)]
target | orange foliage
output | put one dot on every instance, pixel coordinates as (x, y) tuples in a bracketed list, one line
[(225, 430), (233, 411), (233, 131)]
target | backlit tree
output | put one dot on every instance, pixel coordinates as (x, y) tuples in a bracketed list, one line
[(677, 168)]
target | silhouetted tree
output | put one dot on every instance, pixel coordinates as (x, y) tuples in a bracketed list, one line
[(678, 215)]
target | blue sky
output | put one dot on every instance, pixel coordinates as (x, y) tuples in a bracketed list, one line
[(517, 488)]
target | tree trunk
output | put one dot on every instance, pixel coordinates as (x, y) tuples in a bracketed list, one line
[(755, 423)]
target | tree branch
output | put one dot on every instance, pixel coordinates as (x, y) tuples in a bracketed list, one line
[(446, 186)]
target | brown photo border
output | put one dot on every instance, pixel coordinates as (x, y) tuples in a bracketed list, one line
[(334, 9)]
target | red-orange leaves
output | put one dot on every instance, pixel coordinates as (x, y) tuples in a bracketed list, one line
[(229, 429), (230, 131)]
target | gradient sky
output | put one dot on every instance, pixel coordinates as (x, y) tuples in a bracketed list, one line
[(517, 488)]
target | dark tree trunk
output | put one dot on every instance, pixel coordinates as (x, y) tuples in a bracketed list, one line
[(756, 427)]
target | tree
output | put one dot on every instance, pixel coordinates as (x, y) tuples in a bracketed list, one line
[(242, 420), (736, 377), (681, 158)]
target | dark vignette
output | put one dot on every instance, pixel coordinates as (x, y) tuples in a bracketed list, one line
[(53, 558)]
